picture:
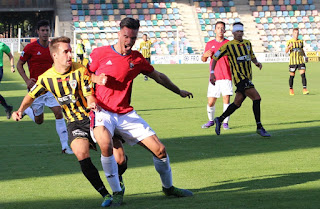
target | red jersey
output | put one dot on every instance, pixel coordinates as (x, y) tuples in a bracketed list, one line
[(222, 70), (38, 58), (115, 96)]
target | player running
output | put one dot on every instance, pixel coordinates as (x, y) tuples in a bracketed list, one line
[(71, 84), (222, 72), (115, 67), (295, 47), (5, 49), (37, 55), (240, 55)]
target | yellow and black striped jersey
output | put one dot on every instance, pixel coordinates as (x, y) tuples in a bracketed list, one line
[(145, 48), (70, 90), (296, 52), (239, 55)]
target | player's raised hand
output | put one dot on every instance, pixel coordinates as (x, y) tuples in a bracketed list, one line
[(31, 82), (12, 69), (184, 94), (16, 116), (290, 45), (208, 53)]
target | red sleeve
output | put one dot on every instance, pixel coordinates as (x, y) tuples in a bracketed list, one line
[(93, 61), (146, 68), (26, 53)]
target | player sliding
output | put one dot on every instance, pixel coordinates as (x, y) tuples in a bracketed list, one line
[(240, 55), (295, 47), (222, 72), (115, 68), (71, 84)]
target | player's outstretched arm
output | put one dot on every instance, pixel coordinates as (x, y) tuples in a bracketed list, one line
[(99, 79), (11, 62), (288, 48), (206, 55), (26, 102), (258, 64), (166, 82), (29, 82), (212, 76)]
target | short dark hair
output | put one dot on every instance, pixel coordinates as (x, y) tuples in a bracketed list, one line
[(295, 29), (42, 23), (130, 23), (237, 23), (220, 22), (55, 42)]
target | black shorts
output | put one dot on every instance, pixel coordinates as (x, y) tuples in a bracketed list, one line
[(80, 129), (80, 56), (293, 68), (148, 59), (243, 85)]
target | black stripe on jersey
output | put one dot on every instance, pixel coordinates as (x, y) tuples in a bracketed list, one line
[(53, 90), (248, 64), (243, 64)]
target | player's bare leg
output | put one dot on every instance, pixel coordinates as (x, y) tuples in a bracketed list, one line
[(80, 147), (109, 164), (61, 129), (162, 165)]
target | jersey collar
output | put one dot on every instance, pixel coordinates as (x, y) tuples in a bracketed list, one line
[(112, 47)]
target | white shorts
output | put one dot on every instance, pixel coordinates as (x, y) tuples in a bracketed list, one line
[(223, 87), (130, 126), (46, 99)]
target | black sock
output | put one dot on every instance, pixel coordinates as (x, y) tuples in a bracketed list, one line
[(291, 81), (304, 80), (92, 174), (122, 168), (257, 112), (3, 102), (231, 108)]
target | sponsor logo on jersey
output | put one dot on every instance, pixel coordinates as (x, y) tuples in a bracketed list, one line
[(39, 53), (67, 99), (73, 84), (244, 58), (109, 62), (22, 53), (213, 47)]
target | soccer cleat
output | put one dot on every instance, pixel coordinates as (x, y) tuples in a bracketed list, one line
[(123, 188), (208, 124), (305, 91), (9, 111), (107, 200), (218, 125), (225, 126), (117, 199), (174, 191), (67, 151), (291, 92), (262, 132)]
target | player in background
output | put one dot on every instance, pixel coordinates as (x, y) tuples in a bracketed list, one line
[(70, 83), (240, 56), (37, 55), (5, 49), (222, 72), (80, 50), (297, 61), (145, 49), (115, 67)]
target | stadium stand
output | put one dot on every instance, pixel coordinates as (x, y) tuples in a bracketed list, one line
[(154, 16), (276, 18)]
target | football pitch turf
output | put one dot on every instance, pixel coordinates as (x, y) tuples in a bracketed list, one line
[(236, 170)]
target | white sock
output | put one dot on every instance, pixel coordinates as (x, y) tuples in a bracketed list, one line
[(163, 168), (110, 169), (225, 106), (211, 111), (62, 132), (30, 113)]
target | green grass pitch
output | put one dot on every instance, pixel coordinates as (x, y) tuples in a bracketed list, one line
[(236, 170)]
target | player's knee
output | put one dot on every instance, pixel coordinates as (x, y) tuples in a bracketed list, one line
[(106, 149), (257, 101), (161, 152), (303, 75), (39, 122), (81, 155)]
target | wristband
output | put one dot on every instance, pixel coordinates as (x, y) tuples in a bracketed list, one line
[(212, 72), (13, 66)]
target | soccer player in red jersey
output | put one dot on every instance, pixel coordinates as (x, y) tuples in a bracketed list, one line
[(222, 72), (115, 67), (37, 55)]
